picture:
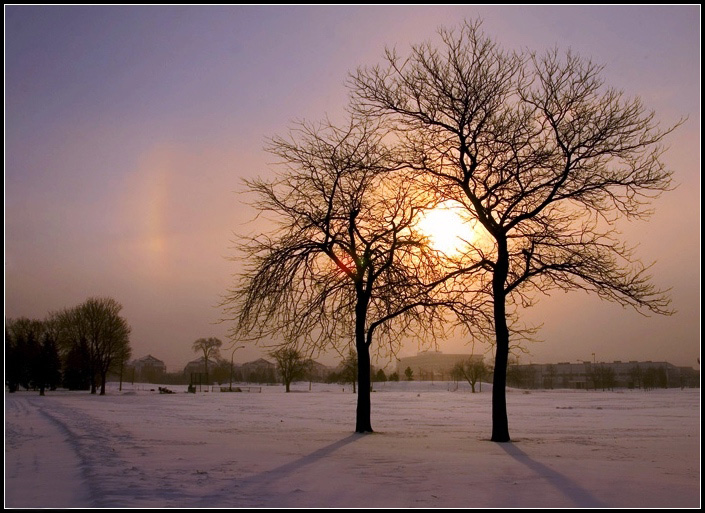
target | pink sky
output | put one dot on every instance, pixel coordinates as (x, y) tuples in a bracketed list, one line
[(128, 131)]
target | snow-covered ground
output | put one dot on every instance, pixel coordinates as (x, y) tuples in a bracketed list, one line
[(139, 448)]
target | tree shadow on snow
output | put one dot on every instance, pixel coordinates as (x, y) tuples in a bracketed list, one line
[(319, 454), (256, 489), (569, 488)]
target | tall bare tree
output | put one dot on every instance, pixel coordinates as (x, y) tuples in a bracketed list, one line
[(344, 262), (541, 153), (210, 347)]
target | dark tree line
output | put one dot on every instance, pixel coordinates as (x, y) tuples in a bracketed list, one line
[(347, 373), (602, 377), (75, 348), (32, 358), (650, 378)]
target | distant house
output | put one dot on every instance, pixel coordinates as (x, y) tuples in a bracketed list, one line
[(148, 369), (197, 365), (260, 364), (432, 365), (259, 371), (317, 371), (218, 370)]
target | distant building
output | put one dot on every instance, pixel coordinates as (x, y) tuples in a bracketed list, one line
[(602, 375), (432, 365), (260, 364), (317, 371), (147, 369), (219, 370), (197, 365), (259, 371)]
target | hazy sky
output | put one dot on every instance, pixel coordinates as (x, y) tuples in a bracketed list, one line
[(128, 131)]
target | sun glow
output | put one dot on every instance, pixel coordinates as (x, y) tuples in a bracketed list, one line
[(448, 230)]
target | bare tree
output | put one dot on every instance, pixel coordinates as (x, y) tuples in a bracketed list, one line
[(472, 370), (97, 331), (345, 262), (73, 338), (541, 154), (349, 370), (210, 347), (291, 364)]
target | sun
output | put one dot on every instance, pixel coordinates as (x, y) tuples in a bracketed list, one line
[(448, 230)]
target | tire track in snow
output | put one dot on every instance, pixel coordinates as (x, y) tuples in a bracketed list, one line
[(108, 463), (37, 452)]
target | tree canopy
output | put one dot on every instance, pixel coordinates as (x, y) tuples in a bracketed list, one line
[(96, 334), (345, 262), (541, 152)]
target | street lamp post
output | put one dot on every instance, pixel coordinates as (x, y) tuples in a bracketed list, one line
[(231, 366)]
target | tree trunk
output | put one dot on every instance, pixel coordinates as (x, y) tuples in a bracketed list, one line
[(500, 424), (363, 423), (286, 383), (103, 379)]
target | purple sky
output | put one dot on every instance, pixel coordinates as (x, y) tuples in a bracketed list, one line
[(128, 131)]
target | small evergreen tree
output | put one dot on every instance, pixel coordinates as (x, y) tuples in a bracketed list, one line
[(46, 365)]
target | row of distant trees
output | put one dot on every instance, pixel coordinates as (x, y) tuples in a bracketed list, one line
[(219, 371), (347, 372), (471, 370), (293, 366), (74, 348)]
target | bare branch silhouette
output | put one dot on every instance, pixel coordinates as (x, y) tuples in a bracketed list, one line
[(345, 262), (541, 153)]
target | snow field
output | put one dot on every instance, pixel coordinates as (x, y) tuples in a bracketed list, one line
[(139, 448)]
